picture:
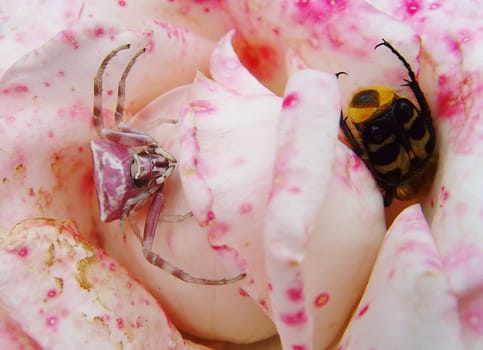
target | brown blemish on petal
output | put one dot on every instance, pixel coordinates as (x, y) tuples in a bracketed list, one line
[(82, 272), (43, 201), (50, 255)]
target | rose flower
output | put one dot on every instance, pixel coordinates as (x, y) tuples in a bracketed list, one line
[(269, 185)]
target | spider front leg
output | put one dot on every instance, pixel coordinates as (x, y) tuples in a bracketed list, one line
[(150, 226), (126, 135)]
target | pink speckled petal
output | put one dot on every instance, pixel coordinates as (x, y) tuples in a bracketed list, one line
[(408, 300), (206, 18), (66, 294), (322, 33), (308, 123), (25, 25), (226, 152)]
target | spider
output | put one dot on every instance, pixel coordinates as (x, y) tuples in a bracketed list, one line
[(129, 169)]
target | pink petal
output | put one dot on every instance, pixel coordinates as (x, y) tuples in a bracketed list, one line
[(206, 18), (66, 294), (322, 33), (25, 25), (226, 159), (308, 122), (408, 300)]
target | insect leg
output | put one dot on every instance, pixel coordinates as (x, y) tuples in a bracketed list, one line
[(412, 82), (97, 108), (350, 137), (154, 258)]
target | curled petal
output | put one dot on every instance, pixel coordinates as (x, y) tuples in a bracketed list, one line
[(408, 299), (235, 140), (308, 123), (56, 283)]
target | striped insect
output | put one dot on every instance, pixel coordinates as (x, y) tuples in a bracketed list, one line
[(394, 138), (130, 168)]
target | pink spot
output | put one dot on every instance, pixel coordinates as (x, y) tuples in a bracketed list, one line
[(391, 274), (444, 193), (218, 231), (473, 320), (263, 304), (16, 88), (70, 38), (434, 6), (294, 189), (294, 319), (363, 310), (246, 208), (51, 321), (321, 300), (46, 84), (120, 323), (52, 293), (291, 100), (23, 252), (61, 73), (450, 101), (298, 347), (210, 216), (295, 294), (270, 286), (110, 92), (10, 119), (112, 266), (317, 11), (99, 32), (121, 3), (242, 292), (50, 134), (202, 107), (412, 6), (31, 192)]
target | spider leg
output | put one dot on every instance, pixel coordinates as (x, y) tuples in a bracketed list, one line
[(121, 90), (98, 120), (149, 232), (176, 217)]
